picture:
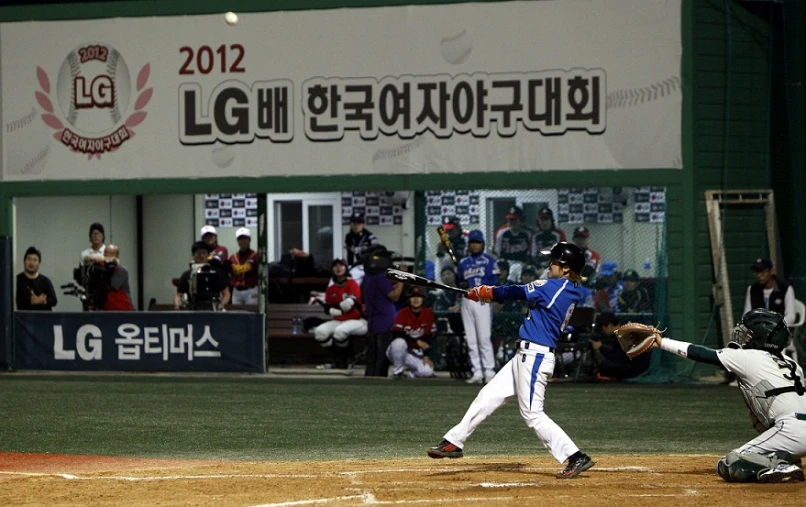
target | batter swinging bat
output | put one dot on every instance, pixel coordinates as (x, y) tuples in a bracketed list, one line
[(412, 279), (446, 242)]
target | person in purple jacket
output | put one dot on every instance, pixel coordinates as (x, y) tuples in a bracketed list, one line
[(380, 295)]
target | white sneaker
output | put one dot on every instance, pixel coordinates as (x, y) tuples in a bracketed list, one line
[(326, 366), (782, 473), (475, 380), (488, 378)]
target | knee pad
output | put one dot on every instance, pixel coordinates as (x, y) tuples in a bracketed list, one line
[(723, 470)]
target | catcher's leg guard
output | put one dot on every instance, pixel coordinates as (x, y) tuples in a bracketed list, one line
[(735, 467)]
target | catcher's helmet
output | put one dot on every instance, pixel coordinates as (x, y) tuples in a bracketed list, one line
[(762, 329), (568, 254)]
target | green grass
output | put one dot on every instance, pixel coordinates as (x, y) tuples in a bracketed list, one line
[(259, 418)]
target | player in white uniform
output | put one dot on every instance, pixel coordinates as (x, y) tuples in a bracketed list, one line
[(478, 268), (772, 386)]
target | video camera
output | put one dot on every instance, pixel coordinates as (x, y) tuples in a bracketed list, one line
[(205, 286), (91, 284)]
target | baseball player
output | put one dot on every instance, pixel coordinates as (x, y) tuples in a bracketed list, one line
[(243, 270), (358, 240), (513, 243), (772, 386), (547, 235), (343, 303), (412, 332), (526, 375), (478, 268)]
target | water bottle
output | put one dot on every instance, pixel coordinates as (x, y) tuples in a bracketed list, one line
[(296, 325), (647, 266)]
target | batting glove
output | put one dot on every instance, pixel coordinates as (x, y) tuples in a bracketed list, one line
[(347, 304), (335, 312), (482, 294)]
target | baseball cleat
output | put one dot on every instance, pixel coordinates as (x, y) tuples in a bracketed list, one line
[(475, 380), (576, 465), (781, 473), (445, 449)]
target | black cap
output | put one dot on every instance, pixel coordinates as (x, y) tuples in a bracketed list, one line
[(416, 291), (357, 218), (97, 226), (631, 275), (606, 318), (33, 251), (199, 245), (582, 232), (761, 264), (515, 212), (450, 222), (545, 212)]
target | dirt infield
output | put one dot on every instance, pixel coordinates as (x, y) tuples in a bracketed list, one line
[(56, 480)]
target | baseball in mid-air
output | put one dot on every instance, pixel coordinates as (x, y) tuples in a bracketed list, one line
[(231, 18)]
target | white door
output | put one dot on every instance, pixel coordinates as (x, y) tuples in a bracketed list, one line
[(310, 222)]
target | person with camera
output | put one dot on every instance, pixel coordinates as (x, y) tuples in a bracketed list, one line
[(34, 290), (204, 286), (96, 249), (108, 282), (243, 267)]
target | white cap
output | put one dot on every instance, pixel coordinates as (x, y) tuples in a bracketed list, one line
[(243, 231), (208, 229)]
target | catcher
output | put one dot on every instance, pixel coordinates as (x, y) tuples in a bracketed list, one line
[(772, 386)]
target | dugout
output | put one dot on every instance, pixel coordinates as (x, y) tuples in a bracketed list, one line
[(713, 119)]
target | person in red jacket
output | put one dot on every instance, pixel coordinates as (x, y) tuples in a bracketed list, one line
[(412, 332), (343, 303)]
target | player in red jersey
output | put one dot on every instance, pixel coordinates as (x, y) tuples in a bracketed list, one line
[(412, 332)]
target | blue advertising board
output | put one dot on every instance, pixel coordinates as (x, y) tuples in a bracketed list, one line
[(140, 341)]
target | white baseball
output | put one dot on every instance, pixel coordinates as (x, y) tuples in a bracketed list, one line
[(644, 124), (26, 142), (94, 120), (231, 18), (223, 155), (456, 48)]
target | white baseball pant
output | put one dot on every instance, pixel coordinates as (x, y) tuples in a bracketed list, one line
[(338, 332), (478, 320), (244, 297), (525, 376), (403, 359)]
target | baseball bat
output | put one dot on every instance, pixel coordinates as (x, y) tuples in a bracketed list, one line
[(446, 242), (412, 279)]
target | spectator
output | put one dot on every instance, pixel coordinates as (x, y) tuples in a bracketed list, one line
[(609, 359), (592, 257), (447, 302), (358, 240), (634, 298), (210, 237), (97, 237), (478, 268), (412, 332), (513, 243), (34, 290), (608, 288), (453, 228), (547, 236), (380, 296), (118, 296), (243, 267), (343, 303), (528, 274), (213, 293), (770, 293)]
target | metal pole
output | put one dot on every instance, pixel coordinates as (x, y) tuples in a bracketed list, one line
[(6, 315)]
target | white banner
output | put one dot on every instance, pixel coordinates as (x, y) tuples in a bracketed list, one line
[(521, 86)]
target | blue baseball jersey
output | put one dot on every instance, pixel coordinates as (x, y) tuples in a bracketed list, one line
[(551, 303), (479, 269)]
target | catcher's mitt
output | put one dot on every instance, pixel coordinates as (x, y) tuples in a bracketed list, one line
[(637, 338)]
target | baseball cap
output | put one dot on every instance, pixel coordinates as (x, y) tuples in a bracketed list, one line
[(582, 232), (761, 264), (449, 223), (475, 236), (609, 267), (208, 229), (606, 318), (339, 261), (415, 291), (545, 212), (243, 231), (356, 218), (199, 245), (631, 275), (515, 212), (529, 269)]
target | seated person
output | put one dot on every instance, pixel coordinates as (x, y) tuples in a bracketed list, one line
[(609, 359), (201, 299), (634, 298), (412, 332), (343, 303), (608, 288)]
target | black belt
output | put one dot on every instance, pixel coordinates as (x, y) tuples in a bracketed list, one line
[(245, 288), (525, 345)]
